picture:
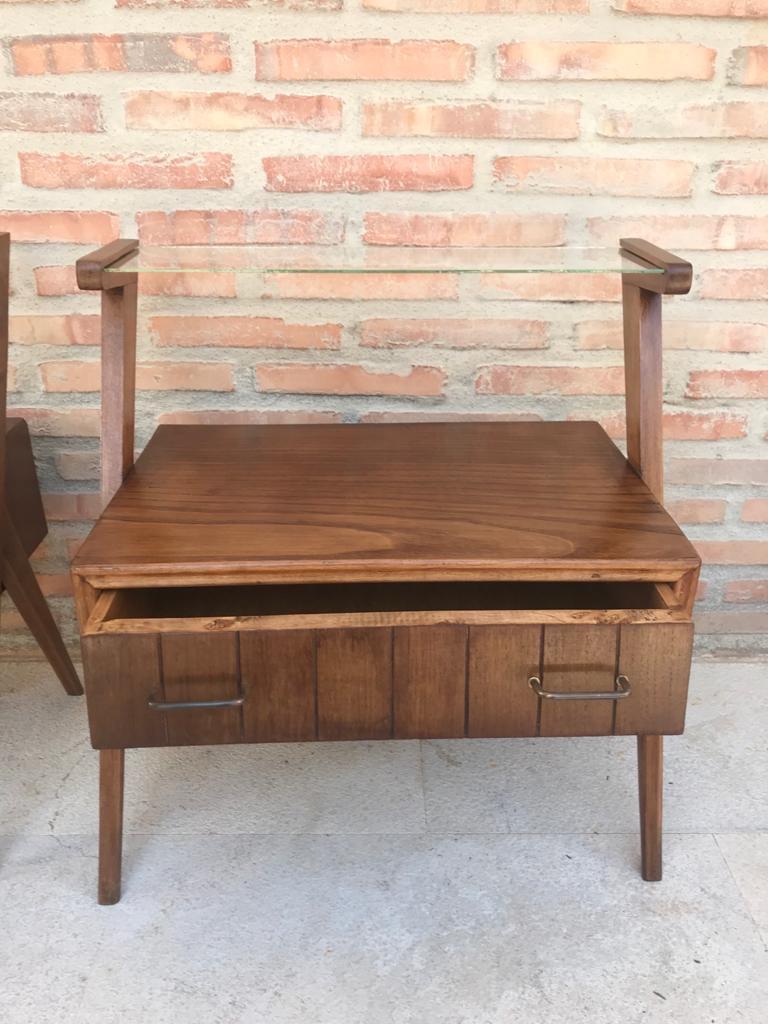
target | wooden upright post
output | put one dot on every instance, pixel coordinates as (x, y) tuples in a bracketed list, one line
[(644, 395), (118, 357)]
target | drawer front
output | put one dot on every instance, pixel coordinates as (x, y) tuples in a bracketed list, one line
[(402, 682)]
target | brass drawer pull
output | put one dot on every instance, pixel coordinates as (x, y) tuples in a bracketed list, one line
[(181, 705), (623, 689)]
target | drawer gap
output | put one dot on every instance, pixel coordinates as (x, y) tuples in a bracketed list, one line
[(239, 602)]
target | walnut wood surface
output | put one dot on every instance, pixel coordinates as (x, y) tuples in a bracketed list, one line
[(678, 273), (578, 658), (501, 661), (90, 269), (118, 385), (378, 501), (644, 385), (429, 681)]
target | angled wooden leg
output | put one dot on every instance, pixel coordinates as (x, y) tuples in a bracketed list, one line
[(22, 586), (650, 771), (111, 775)]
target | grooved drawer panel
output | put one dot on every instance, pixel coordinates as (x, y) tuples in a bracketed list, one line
[(120, 674), (354, 684), (279, 684), (578, 658), (430, 681), (200, 667), (501, 661), (657, 661)]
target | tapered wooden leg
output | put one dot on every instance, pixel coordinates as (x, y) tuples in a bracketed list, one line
[(22, 586), (111, 775), (650, 771)]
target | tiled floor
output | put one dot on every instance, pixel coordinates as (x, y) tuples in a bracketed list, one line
[(492, 882)]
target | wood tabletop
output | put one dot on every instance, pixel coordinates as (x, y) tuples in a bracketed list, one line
[(333, 502)]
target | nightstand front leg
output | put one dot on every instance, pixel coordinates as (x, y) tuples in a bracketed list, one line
[(111, 777), (650, 770)]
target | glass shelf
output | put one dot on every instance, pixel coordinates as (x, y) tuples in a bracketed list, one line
[(344, 259)]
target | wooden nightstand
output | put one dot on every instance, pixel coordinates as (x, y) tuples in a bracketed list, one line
[(330, 582)]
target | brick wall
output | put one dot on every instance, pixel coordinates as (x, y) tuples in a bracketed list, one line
[(538, 122)]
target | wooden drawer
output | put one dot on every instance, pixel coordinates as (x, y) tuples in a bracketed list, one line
[(270, 664)]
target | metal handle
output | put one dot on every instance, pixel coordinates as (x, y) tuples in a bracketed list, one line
[(181, 705), (623, 689)]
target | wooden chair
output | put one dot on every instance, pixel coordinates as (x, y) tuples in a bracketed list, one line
[(22, 521)]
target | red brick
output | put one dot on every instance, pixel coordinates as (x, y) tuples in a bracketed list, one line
[(749, 284), (727, 384), (193, 227), (696, 8), (76, 329), (60, 422), (419, 60), (747, 591), (471, 229), (230, 111), (697, 510), (233, 227), (514, 120), (691, 426), (249, 416), (741, 178), (478, 333), (733, 623), (297, 227), (652, 62), (690, 231), (548, 287), (184, 377), (242, 332), (362, 287), (64, 55), (755, 510), (698, 336), (306, 379), (420, 172), (60, 226), (575, 175), (56, 281), (71, 507), (733, 552), (749, 66), (683, 426), (55, 584), (49, 112), (717, 471), (78, 465), (71, 375), (480, 6), (194, 284), (547, 380), (744, 120), (284, 5), (201, 170), (441, 416)]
